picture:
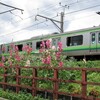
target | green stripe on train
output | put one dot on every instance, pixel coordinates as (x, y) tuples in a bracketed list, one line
[(81, 48)]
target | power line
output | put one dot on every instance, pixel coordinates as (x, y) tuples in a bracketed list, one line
[(26, 27), (47, 10), (43, 27), (83, 9), (7, 11), (91, 15), (44, 21), (49, 6), (16, 15), (48, 25)]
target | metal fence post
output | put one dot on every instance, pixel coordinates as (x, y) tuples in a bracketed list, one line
[(84, 84), (17, 79), (55, 85), (5, 78), (34, 82)]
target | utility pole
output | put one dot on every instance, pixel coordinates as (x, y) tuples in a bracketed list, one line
[(61, 22)]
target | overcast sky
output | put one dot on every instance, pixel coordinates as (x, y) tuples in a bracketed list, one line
[(15, 26)]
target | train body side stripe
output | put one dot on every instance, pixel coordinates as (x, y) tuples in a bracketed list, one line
[(74, 48)]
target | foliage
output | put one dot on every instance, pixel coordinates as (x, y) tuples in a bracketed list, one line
[(20, 96), (70, 88), (94, 92)]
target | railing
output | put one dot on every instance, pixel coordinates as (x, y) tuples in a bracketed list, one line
[(55, 80)]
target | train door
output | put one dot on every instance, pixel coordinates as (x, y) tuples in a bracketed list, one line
[(95, 39), (98, 42)]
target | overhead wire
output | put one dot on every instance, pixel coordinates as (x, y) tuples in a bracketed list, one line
[(91, 15), (26, 27), (44, 21), (48, 10), (49, 6), (83, 9), (48, 25)]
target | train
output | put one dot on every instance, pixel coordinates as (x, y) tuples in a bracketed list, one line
[(82, 42)]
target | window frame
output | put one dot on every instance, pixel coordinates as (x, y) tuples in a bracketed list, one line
[(74, 41)]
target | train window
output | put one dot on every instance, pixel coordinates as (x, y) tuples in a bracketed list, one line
[(38, 44), (8, 48), (54, 42), (74, 40), (59, 39), (20, 46), (29, 44), (99, 37), (93, 38)]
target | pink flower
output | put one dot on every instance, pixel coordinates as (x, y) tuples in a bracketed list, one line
[(17, 57), (58, 55), (27, 49), (16, 48), (1, 64), (44, 61), (60, 64), (12, 45), (41, 50), (42, 44), (3, 58), (23, 48), (48, 44), (60, 46), (10, 52), (47, 60)]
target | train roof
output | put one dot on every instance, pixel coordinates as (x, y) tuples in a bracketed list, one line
[(95, 28), (90, 29)]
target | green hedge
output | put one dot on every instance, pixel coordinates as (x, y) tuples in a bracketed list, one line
[(8, 94)]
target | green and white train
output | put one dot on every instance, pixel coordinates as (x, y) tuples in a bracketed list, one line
[(83, 42)]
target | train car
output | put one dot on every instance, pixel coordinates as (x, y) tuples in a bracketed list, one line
[(83, 42)]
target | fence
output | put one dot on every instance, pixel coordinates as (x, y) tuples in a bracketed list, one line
[(55, 80)]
